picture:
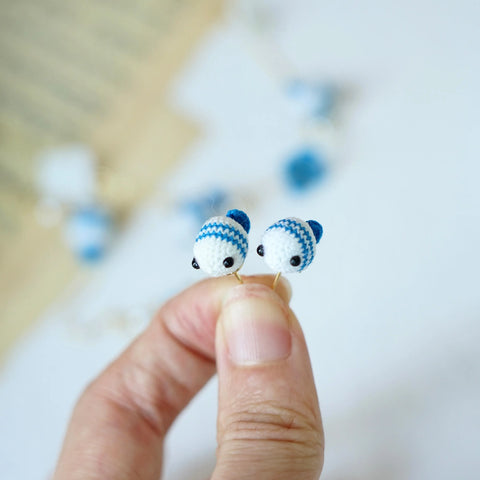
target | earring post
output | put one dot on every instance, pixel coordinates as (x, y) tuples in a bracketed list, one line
[(275, 281), (239, 278)]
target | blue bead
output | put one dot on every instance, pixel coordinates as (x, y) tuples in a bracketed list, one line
[(304, 169)]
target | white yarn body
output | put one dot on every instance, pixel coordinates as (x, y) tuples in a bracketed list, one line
[(219, 238), (285, 239)]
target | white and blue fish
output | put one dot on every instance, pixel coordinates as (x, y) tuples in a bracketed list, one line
[(222, 244), (289, 244)]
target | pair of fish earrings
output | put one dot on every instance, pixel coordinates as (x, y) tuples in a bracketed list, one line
[(222, 244)]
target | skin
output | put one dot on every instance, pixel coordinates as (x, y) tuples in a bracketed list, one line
[(269, 424)]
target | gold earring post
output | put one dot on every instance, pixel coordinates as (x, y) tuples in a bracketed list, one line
[(239, 278), (275, 281)]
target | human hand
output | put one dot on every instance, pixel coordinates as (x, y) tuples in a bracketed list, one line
[(269, 424)]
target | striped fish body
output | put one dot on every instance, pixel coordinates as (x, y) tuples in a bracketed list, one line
[(221, 241), (289, 245)]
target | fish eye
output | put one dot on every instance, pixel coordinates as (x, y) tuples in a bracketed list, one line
[(261, 250), (228, 262), (295, 261), (195, 265)]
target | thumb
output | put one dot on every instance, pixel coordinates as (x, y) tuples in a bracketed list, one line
[(269, 424)]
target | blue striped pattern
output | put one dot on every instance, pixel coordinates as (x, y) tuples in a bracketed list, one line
[(304, 237), (226, 233)]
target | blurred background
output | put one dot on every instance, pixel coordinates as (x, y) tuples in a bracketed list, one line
[(124, 125)]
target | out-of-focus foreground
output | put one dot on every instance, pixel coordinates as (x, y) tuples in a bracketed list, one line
[(124, 125)]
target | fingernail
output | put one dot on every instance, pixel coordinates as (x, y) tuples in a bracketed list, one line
[(255, 325)]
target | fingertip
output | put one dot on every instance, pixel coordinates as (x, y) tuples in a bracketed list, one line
[(266, 386), (255, 325), (218, 287), (283, 288), (192, 314)]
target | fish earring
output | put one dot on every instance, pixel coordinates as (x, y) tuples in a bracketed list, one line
[(222, 244), (289, 245)]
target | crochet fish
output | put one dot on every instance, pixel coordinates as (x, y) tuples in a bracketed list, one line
[(222, 244), (289, 244)]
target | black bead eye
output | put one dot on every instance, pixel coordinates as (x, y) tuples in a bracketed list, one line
[(295, 261), (195, 265), (260, 250), (228, 262)]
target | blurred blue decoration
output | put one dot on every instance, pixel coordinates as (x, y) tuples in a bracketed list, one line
[(304, 169), (88, 233), (313, 100), (206, 205)]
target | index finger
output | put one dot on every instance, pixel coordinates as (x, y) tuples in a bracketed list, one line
[(119, 424)]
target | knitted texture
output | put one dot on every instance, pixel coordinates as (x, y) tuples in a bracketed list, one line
[(286, 239), (317, 229), (220, 241), (240, 217)]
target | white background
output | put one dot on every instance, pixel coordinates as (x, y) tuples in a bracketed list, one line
[(390, 306)]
